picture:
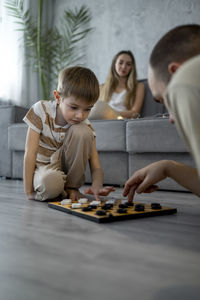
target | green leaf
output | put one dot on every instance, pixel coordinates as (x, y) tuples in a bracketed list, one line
[(53, 49)]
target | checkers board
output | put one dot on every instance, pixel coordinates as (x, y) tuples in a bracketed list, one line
[(115, 210)]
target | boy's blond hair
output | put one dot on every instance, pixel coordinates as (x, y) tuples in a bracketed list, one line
[(79, 82)]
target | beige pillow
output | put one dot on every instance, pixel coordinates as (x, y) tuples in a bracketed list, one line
[(102, 111)]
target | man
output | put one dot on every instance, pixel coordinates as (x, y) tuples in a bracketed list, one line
[(174, 79)]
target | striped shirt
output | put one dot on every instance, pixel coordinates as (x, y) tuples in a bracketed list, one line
[(41, 118)]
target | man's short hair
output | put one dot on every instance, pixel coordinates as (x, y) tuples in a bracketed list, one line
[(177, 45)]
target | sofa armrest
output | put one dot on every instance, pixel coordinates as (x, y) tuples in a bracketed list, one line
[(17, 136)]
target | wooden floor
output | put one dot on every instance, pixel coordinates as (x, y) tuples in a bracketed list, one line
[(49, 255)]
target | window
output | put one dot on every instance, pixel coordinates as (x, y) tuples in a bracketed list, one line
[(11, 58)]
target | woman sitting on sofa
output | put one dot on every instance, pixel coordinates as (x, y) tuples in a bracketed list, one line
[(122, 90)]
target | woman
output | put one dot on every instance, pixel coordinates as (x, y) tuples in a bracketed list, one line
[(122, 90)]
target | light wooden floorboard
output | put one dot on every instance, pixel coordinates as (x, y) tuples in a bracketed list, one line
[(47, 254)]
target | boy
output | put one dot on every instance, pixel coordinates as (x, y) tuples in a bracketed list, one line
[(60, 140), (174, 78)]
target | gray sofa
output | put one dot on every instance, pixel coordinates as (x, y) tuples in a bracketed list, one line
[(130, 145), (9, 114), (123, 145)]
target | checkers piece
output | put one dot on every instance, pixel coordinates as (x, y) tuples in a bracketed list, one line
[(66, 201), (101, 212), (95, 202), (107, 206), (139, 207), (76, 205), (111, 201), (123, 205), (87, 208), (83, 200), (122, 210), (93, 206), (129, 204), (156, 206)]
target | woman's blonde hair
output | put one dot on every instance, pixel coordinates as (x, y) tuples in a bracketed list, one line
[(79, 82), (112, 81)]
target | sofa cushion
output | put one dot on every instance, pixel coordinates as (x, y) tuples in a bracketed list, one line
[(110, 134), (114, 166), (153, 135)]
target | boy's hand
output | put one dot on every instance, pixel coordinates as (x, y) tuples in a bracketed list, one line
[(103, 191)]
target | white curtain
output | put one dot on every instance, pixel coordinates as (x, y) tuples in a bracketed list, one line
[(11, 58), (18, 82)]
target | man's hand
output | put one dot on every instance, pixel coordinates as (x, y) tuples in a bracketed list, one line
[(144, 180)]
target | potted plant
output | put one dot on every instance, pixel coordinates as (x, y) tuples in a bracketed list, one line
[(49, 50)]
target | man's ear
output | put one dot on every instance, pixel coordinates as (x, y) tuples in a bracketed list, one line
[(56, 96), (173, 67)]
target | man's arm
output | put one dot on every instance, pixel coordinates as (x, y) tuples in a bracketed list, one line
[(144, 180)]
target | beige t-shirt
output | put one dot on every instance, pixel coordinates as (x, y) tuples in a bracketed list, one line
[(183, 101), (41, 118)]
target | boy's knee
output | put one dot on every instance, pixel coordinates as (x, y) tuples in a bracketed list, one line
[(51, 185), (81, 131)]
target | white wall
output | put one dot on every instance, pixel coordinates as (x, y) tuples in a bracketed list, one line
[(134, 25)]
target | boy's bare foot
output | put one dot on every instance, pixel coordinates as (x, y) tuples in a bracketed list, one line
[(74, 194)]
